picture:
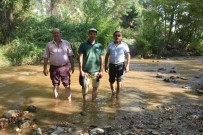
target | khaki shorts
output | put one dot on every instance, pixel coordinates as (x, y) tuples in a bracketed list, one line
[(86, 81)]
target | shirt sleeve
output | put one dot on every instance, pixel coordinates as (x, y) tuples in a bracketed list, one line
[(102, 50), (80, 49), (69, 49), (46, 51), (127, 50), (108, 49)]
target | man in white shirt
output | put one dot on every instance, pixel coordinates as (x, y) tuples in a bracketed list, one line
[(117, 52)]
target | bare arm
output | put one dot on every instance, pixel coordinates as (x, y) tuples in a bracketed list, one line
[(101, 65), (106, 62), (127, 62), (45, 70), (80, 64), (72, 63)]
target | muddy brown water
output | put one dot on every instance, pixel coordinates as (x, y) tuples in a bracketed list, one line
[(21, 86)]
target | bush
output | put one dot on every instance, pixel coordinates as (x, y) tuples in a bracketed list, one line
[(143, 46), (19, 52)]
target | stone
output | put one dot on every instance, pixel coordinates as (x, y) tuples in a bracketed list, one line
[(97, 131), (159, 76), (39, 131), (31, 108), (155, 133), (25, 124), (11, 113), (18, 130), (3, 122), (58, 131), (127, 132)]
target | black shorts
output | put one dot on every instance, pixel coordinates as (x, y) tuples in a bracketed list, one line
[(116, 72)]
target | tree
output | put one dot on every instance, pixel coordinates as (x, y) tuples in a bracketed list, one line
[(7, 20)]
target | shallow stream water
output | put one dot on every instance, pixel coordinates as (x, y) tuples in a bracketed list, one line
[(21, 86)]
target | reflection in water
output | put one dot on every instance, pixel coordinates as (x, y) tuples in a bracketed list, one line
[(115, 102)]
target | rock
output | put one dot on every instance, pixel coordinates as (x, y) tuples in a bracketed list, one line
[(159, 76), (161, 69), (199, 91), (31, 108), (183, 78), (117, 133), (166, 80), (172, 77), (107, 128), (24, 124), (11, 113), (163, 133), (172, 71), (127, 132), (18, 130), (169, 80), (97, 131), (3, 122), (58, 131), (39, 131), (83, 113), (155, 133), (196, 77)]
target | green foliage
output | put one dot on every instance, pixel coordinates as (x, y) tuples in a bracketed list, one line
[(19, 52), (143, 46), (155, 24), (196, 47), (3, 59), (129, 20)]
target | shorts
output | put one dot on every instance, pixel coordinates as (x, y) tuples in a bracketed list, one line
[(85, 80), (60, 73), (116, 72)]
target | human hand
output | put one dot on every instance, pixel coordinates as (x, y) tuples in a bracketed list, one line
[(100, 74), (72, 69), (45, 71), (127, 68), (106, 68), (82, 73)]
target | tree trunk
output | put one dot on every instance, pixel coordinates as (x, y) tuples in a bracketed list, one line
[(52, 6), (171, 24)]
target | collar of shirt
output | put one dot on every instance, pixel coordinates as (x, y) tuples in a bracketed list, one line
[(56, 43), (117, 44), (91, 43)]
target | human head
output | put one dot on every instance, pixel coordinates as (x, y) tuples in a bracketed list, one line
[(117, 36), (92, 33), (56, 32)]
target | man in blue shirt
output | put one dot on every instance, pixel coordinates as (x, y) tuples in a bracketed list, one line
[(116, 54)]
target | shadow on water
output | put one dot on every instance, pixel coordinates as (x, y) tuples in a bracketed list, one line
[(138, 105)]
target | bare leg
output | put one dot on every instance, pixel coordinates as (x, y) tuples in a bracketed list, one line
[(55, 91), (112, 88), (85, 90), (84, 97), (119, 86), (68, 92), (94, 93)]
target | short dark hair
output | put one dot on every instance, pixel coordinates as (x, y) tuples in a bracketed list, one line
[(116, 32)]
